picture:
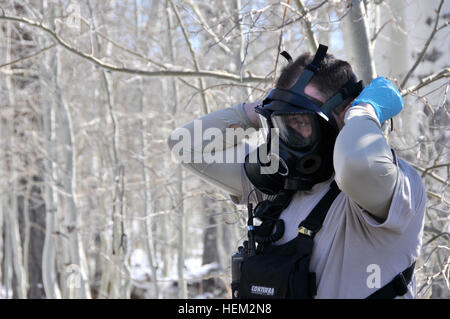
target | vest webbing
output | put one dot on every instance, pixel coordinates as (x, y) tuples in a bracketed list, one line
[(312, 224)]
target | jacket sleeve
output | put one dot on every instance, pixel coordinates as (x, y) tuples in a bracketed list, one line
[(364, 164), (205, 147)]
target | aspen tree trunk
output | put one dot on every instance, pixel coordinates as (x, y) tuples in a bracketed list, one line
[(48, 256), (313, 45), (12, 213), (324, 33), (392, 58), (357, 41), (240, 56), (120, 284), (201, 82), (165, 203), (5, 237), (12, 223), (210, 241), (147, 202), (26, 228), (165, 231), (52, 290), (147, 198), (182, 285), (78, 262), (5, 116), (413, 116), (33, 210), (120, 278), (7, 261)]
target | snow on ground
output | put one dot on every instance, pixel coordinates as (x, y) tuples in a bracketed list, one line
[(3, 294), (193, 271), (140, 268)]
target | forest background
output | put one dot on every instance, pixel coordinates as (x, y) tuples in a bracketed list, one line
[(91, 203)]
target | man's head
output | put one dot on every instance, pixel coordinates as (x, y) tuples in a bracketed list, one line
[(330, 77), (302, 110)]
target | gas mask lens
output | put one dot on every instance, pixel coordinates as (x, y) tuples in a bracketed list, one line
[(297, 130)]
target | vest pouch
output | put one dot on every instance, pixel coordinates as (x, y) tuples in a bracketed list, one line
[(278, 271), (302, 283)]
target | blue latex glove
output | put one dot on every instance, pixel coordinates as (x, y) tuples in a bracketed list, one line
[(383, 96)]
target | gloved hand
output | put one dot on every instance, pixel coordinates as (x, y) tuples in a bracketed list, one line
[(383, 96)]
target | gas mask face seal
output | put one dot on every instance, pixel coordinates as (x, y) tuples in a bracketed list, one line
[(304, 131)]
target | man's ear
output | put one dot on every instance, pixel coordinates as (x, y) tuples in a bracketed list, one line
[(340, 117), (346, 109)]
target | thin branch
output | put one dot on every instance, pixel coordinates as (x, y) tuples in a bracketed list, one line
[(193, 56), (434, 167), (308, 26), (439, 197), (422, 54), (303, 15), (434, 176), (436, 237), (444, 73), (377, 32), (28, 56), (279, 45), (208, 29), (117, 45), (159, 73)]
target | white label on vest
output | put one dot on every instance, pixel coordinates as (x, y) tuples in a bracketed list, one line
[(264, 291)]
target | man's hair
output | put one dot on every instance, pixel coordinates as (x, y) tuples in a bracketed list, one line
[(330, 77)]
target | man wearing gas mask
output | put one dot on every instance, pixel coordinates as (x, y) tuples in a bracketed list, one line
[(341, 216)]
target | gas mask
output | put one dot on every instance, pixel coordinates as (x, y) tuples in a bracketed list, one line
[(300, 138)]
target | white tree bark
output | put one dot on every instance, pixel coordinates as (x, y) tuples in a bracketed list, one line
[(78, 262), (12, 213), (17, 255), (391, 54), (5, 246), (120, 284), (26, 230), (7, 261), (357, 41), (48, 255), (182, 285), (313, 45), (51, 288), (147, 196)]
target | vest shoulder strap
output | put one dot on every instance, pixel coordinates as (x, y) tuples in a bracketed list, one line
[(311, 225), (396, 287)]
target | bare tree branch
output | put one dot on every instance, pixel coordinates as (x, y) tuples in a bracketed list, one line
[(193, 56), (279, 46), (434, 176), (313, 44), (444, 73), (159, 73), (427, 43), (28, 57), (208, 29)]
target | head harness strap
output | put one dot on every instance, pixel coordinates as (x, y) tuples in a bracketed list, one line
[(296, 96), (287, 56), (308, 73), (350, 89), (318, 57)]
